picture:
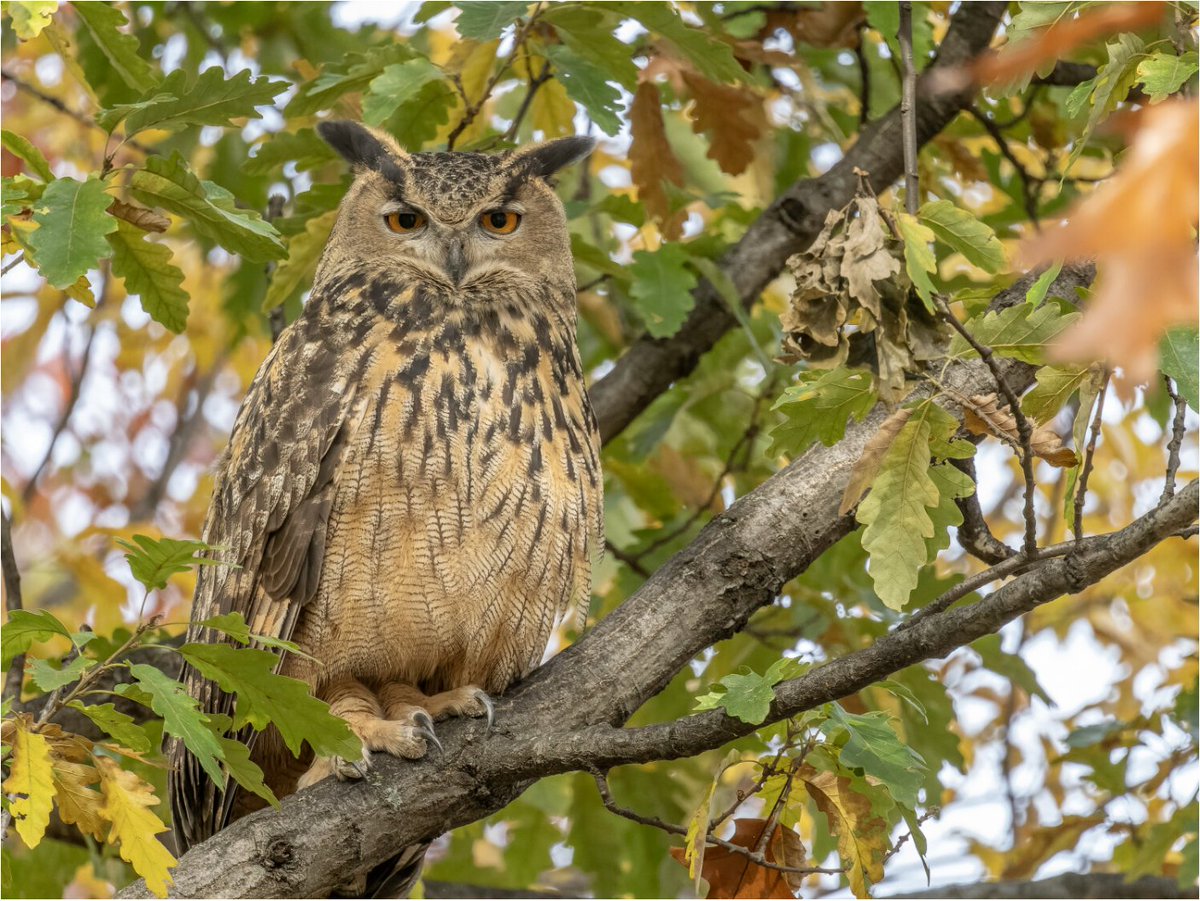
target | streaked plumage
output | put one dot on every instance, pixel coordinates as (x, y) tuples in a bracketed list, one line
[(412, 489)]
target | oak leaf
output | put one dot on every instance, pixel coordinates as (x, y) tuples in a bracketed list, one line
[(731, 117), (129, 806), (733, 875), (868, 463), (651, 160), (1139, 226), (862, 836), (983, 415), (31, 779)]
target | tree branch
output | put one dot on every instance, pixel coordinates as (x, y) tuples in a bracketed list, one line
[(1068, 885), (789, 225), (568, 714)]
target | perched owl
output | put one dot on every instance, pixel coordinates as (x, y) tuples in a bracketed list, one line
[(412, 489)]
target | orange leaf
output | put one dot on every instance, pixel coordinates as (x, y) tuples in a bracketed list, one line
[(1019, 59), (1139, 228), (732, 875), (726, 114), (651, 160)]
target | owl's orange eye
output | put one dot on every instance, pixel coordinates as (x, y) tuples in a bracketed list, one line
[(500, 222), (404, 222)]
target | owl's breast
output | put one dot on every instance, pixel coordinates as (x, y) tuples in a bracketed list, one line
[(463, 519)]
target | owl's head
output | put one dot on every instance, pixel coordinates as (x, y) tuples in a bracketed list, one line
[(462, 222)]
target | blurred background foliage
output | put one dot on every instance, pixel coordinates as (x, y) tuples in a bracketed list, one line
[(1066, 743)]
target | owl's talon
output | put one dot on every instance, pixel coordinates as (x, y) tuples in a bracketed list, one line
[(488, 706), (423, 726)]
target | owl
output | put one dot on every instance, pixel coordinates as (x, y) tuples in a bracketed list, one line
[(412, 489)]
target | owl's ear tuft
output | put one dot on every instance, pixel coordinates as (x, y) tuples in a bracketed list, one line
[(544, 160), (360, 145)]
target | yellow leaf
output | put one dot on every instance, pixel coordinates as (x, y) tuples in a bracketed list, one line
[(128, 805), (32, 780), (862, 836), (78, 803)]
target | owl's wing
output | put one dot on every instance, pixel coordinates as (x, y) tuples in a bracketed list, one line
[(270, 509)]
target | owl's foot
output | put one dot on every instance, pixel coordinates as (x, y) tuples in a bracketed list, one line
[(406, 736), (466, 701)]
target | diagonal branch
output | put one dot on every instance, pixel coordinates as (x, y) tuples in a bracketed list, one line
[(789, 225), (568, 714)]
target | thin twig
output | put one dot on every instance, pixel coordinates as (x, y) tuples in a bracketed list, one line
[(908, 108), (12, 602), (16, 261), (1024, 429), (1178, 427), (34, 91), (473, 109), (535, 82), (755, 858), (628, 559), (1030, 185), (1088, 457), (864, 79), (927, 815), (974, 536), (277, 318), (74, 390)]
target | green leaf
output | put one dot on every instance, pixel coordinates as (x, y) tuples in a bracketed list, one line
[(587, 84), (820, 407), (304, 250), (104, 21), (153, 562), (1111, 85), (72, 223), (124, 729), (747, 696), (712, 57), (170, 184), (895, 513), (263, 698), (1017, 332), (1180, 359), (23, 628), (234, 625), (396, 85), (905, 694), (181, 716), (662, 288), (304, 147), (951, 484), (214, 98), (919, 260), (149, 273), (1037, 291), (483, 21), (958, 229), (17, 195), (588, 32), (1163, 74), (24, 150), (48, 677), (875, 747), (30, 17), (727, 291), (1055, 385), (245, 772), (338, 79)]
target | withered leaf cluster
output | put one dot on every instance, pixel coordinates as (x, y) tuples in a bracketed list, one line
[(851, 302)]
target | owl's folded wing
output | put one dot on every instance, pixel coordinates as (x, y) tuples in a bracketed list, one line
[(268, 519)]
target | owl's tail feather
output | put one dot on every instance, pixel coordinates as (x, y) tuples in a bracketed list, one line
[(396, 878)]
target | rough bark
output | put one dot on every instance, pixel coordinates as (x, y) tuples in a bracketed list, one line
[(569, 714), (790, 224), (1068, 885)]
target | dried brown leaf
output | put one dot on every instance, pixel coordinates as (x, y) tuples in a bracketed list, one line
[(731, 117), (146, 220), (651, 160), (982, 415), (732, 875), (867, 467)]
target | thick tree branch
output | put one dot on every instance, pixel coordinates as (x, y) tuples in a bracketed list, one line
[(1068, 885), (568, 715), (790, 224)]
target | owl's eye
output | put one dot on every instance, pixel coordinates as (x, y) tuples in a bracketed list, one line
[(500, 222), (404, 222)]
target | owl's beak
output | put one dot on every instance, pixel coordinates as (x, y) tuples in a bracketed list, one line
[(456, 260)]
